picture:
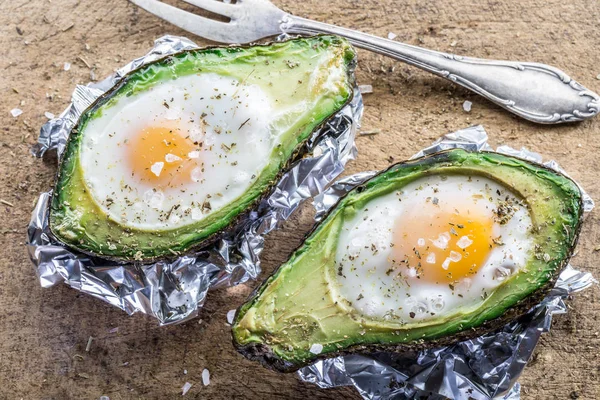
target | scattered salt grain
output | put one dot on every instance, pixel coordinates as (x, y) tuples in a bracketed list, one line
[(89, 344), (431, 258), (196, 214), (467, 106), (230, 315), (196, 174), (194, 154), (15, 112), (49, 115), (392, 36), (67, 66), (442, 241), (185, 388), (113, 330), (205, 377), (455, 256), (446, 263), (157, 167), (365, 89), (598, 77), (185, 371), (316, 348), (464, 242), (104, 398), (172, 158)]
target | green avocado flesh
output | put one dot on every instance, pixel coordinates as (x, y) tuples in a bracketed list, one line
[(310, 79), (294, 317)]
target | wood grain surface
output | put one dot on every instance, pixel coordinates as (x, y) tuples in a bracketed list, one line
[(44, 332)]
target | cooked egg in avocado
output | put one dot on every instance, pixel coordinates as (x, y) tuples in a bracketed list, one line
[(176, 152), (426, 253)]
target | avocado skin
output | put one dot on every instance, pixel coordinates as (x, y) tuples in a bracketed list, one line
[(83, 243), (264, 354)]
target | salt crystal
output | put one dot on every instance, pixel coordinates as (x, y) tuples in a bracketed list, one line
[(104, 398), (67, 66), (113, 330), (196, 214), (446, 263), (171, 158), (464, 242), (157, 167), (392, 36), (421, 242), (365, 89), (455, 256), (15, 112), (442, 241), (186, 388), (154, 198), (467, 106), (241, 177), (194, 154), (49, 115), (316, 348), (230, 315), (431, 258), (196, 174), (185, 371), (205, 377)]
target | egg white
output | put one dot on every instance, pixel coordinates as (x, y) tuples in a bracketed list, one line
[(364, 249), (234, 112)]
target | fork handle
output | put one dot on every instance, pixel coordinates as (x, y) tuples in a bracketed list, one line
[(537, 92)]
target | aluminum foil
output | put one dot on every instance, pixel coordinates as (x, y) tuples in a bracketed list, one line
[(483, 368), (174, 292)]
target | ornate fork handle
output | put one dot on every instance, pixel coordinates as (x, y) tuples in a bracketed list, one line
[(537, 92)]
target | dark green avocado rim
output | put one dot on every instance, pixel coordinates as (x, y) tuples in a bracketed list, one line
[(263, 354), (299, 152)]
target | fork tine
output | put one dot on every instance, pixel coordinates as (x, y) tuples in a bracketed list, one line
[(215, 6), (207, 28)]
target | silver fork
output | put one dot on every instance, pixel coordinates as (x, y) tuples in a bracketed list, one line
[(537, 92)]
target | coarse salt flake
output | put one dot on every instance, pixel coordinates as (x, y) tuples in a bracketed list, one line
[(172, 158), (185, 388), (446, 263), (196, 214), (467, 106), (49, 115), (316, 348), (15, 112), (365, 89), (430, 258), (157, 167), (455, 256), (230, 315), (196, 174), (205, 377), (194, 154), (442, 241), (464, 242), (392, 36), (67, 66)]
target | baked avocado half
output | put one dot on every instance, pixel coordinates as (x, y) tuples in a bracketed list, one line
[(429, 252), (181, 148)]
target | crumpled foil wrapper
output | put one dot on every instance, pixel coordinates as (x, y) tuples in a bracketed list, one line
[(483, 368), (174, 292)]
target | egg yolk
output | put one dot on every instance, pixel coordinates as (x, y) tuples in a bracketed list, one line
[(440, 245), (162, 157)]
